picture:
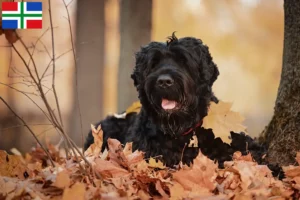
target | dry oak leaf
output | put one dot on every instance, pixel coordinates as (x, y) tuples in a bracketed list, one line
[(95, 148), (176, 191), (156, 164), (291, 171), (62, 180), (298, 158), (251, 174), (132, 158), (7, 185), (13, 165), (127, 149), (222, 120), (135, 107), (77, 191), (135, 157), (109, 169), (116, 153), (201, 175), (238, 156)]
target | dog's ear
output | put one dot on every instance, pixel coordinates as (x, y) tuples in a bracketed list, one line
[(215, 73), (144, 59), (210, 68), (140, 61)]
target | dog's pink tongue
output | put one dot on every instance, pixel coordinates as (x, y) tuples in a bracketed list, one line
[(168, 105)]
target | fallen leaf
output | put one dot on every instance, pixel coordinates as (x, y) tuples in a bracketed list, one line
[(238, 156), (176, 191), (62, 180), (95, 148), (291, 171), (6, 185), (127, 149), (77, 191), (161, 191), (13, 165), (156, 164), (222, 120), (116, 153), (201, 174), (109, 169), (298, 158), (135, 107)]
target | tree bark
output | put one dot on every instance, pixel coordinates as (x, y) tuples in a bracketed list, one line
[(283, 132), (90, 26), (135, 30)]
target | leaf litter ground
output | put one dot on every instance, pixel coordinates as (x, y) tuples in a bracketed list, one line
[(120, 173)]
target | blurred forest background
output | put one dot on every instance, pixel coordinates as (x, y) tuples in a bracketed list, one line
[(245, 38)]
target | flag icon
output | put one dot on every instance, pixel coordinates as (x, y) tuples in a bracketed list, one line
[(21, 15)]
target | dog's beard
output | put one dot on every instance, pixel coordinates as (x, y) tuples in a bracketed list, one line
[(175, 108)]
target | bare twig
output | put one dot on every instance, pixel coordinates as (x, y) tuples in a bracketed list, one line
[(46, 115), (31, 58), (22, 125), (35, 44), (77, 102), (53, 58), (37, 140), (37, 83), (69, 3), (44, 131)]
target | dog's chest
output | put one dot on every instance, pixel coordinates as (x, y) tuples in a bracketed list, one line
[(170, 150)]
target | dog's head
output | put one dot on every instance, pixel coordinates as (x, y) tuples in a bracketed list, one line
[(174, 81)]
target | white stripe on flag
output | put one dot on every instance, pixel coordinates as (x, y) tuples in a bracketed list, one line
[(13, 18), (30, 12), (30, 18), (14, 12)]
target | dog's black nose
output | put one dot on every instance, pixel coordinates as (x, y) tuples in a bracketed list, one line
[(164, 81)]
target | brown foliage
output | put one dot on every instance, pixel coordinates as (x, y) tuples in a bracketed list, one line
[(126, 175)]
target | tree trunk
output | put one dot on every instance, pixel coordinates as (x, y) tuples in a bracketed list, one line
[(90, 63), (135, 30), (283, 133)]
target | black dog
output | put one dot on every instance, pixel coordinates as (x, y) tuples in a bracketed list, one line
[(174, 82)]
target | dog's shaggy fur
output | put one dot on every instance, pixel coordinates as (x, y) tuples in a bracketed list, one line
[(174, 82)]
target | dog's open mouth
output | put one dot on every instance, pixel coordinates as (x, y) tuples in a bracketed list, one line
[(169, 104)]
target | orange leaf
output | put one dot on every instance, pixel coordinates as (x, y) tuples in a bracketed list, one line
[(222, 120), (116, 152), (201, 174), (156, 164), (95, 148), (109, 169), (62, 180), (77, 191)]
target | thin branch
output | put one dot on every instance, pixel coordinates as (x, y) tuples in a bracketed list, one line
[(10, 62), (22, 125), (25, 63), (29, 99), (31, 58), (77, 102), (18, 72), (40, 88), (37, 140), (45, 48), (51, 62), (53, 58), (44, 131), (69, 3)]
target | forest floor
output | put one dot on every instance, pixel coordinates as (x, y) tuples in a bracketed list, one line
[(120, 173)]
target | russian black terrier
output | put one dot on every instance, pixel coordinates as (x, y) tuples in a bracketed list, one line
[(174, 83)]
